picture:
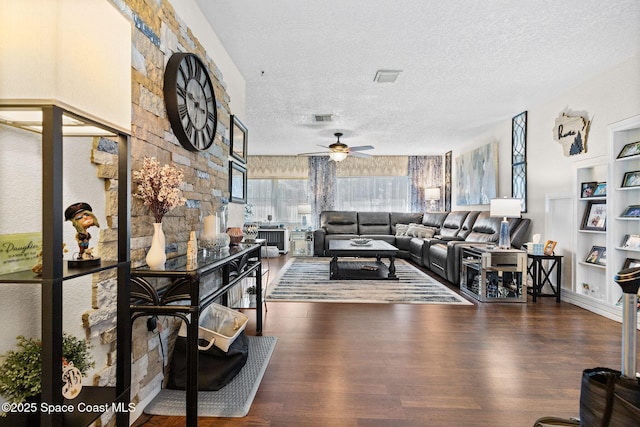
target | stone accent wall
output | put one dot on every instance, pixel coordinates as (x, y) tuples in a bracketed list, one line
[(157, 33)]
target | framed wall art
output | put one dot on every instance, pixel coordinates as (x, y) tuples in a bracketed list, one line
[(631, 179), (632, 211), (237, 182), (239, 140), (477, 176), (595, 216), (630, 150), (597, 255)]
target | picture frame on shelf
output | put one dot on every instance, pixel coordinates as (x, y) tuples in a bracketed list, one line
[(630, 150), (631, 241), (595, 216), (237, 182), (632, 211), (631, 263), (631, 179), (238, 140), (601, 190), (597, 255), (549, 247), (587, 189)]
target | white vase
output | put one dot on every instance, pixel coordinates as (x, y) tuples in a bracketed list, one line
[(156, 257)]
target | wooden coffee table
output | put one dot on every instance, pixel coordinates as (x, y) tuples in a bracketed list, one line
[(358, 269)]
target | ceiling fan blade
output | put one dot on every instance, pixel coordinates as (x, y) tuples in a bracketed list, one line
[(361, 148), (319, 153), (361, 155)]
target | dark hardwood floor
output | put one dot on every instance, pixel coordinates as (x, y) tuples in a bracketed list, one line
[(423, 365)]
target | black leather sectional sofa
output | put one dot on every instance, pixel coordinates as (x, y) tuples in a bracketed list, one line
[(433, 240)]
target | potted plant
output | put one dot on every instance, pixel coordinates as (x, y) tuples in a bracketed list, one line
[(21, 369), (251, 291)]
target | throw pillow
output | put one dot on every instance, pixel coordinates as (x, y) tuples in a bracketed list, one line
[(421, 231), (401, 229)]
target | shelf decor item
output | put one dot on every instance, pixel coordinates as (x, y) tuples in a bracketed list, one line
[(597, 255), (587, 189), (601, 190), (629, 150), (631, 179), (158, 188), (631, 241), (631, 263), (21, 369), (236, 235), (82, 219), (595, 216), (632, 211)]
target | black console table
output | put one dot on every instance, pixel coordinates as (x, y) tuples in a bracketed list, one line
[(184, 292), (541, 275)]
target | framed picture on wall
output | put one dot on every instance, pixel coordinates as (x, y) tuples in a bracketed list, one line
[(238, 140), (237, 182), (595, 216)]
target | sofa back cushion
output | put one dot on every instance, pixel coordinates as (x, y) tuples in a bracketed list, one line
[(485, 228), (434, 219), (374, 223), (339, 222), (453, 223), (404, 218), (467, 225)]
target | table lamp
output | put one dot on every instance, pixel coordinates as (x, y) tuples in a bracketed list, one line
[(304, 210), (432, 195), (506, 208)]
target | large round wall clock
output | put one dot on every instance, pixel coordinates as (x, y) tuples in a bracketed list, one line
[(190, 101)]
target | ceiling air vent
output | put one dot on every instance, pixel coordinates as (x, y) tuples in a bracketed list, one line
[(386, 76), (322, 117)]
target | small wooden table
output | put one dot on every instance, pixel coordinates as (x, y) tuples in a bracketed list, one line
[(362, 270), (541, 275)]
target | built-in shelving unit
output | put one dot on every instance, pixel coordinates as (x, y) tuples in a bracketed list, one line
[(58, 126), (593, 286)]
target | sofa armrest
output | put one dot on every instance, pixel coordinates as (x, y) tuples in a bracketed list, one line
[(318, 241)]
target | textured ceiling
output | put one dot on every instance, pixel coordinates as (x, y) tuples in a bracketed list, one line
[(467, 65)]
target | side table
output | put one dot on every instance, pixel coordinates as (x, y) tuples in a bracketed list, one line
[(541, 275)]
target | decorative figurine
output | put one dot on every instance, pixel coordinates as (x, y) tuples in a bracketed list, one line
[(82, 218)]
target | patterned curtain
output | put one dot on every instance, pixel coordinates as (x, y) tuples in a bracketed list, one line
[(322, 184), (424, 172)]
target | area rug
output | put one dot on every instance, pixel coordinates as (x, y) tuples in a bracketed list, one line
[(234, 399), (307, 280)]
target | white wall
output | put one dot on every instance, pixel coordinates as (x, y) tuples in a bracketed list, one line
[(190, 12), (607, 98)]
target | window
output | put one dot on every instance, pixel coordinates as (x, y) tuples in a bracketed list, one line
[(276, 197), (519, 158), (373, 193)]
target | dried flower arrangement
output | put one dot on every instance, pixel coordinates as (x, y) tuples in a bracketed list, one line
[(159, 187)]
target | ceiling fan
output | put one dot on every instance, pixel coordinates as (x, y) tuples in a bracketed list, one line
[(339, 151)]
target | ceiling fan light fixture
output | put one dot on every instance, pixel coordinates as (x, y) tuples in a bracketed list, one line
[(337, 156), (386, 76)]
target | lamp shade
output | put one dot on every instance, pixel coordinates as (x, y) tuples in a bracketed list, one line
[(506, 207), (432, 193), (304, 209)]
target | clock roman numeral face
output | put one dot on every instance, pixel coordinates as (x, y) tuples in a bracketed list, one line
[(190, 100)]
